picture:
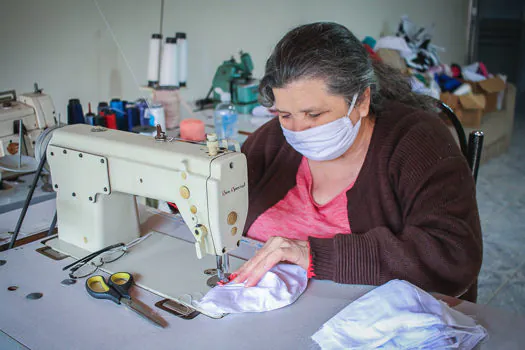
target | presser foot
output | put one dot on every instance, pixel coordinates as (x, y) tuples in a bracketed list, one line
[(214, 281)]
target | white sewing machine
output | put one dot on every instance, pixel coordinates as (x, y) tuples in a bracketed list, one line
[(37, 112), (97, 173), (35, 109)]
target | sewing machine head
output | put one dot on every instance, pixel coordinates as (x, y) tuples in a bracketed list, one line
[(36, 112), (97, 173)]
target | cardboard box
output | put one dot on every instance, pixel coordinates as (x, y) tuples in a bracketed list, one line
[(469, 108), (491, 88)]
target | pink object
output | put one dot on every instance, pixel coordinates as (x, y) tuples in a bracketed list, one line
[(483, 69), (298, 216), (192, 129)]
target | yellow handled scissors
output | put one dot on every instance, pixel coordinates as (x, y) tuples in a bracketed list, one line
[(117, 290)]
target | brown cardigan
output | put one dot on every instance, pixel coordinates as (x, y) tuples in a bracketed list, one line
[(412, 210)]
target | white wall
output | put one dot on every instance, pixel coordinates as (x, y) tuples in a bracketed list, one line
[(65, 46)]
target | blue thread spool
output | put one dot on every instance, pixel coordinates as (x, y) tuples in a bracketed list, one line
[(117, 105), (75, 115), (142, 105), (90, 117), (133, 113)]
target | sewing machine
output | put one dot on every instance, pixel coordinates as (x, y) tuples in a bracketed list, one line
[(37, 112), (97, 173), (236, 78)]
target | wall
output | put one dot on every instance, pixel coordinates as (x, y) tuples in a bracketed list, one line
[(65, 46)]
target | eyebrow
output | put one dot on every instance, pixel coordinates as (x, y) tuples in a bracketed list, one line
[(306, 110)]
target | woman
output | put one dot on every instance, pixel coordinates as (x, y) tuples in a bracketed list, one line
[(357, 180)]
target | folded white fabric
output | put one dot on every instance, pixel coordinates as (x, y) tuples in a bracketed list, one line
[(393, 43), (399, 315), (279, 287)]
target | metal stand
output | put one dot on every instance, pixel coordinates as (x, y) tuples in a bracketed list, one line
[(53, 225), (27, 202)]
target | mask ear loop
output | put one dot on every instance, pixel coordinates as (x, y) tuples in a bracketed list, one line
[(352, 105)]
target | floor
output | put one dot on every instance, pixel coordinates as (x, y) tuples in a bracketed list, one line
[(501, 202)]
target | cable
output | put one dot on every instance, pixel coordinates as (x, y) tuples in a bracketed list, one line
[(119, 48)]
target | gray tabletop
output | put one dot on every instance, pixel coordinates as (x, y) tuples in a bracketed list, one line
[(67, 318), (14, 197)]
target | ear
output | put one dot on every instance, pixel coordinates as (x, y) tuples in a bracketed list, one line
[(363, 105)]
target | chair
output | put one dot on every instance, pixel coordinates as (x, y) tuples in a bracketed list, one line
[(472, 149)]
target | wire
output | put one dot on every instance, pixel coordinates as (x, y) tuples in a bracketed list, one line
[(108, 26)]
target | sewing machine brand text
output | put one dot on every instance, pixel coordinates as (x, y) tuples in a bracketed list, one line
[(234, 189)]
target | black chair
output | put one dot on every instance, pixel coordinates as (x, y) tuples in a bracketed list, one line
[(472, 149)]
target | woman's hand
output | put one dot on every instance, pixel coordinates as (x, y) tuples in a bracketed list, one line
[(275, 250)]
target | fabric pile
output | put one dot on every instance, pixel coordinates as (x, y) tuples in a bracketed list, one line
[(399, 315)]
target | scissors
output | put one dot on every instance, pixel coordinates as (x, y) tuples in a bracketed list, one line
[(117, 290)]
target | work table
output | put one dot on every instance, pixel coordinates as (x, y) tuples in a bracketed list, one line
[(67, 318)]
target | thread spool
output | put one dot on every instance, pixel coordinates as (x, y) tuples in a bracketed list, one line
[(133, 113), (100, 120), (117, 106), (170, 100), (154, 59), (90, 117), (75, 115), (155, 116), (182, 51), (102, 105), (122, 122), (142, 106), (168, 67), (192, 129), (111, 119)]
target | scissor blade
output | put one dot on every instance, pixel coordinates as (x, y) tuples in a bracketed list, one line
[(142, 311)]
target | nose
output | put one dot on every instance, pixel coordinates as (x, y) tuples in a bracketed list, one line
[(296, 124)]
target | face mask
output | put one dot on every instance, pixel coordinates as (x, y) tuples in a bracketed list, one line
[(325, 142)]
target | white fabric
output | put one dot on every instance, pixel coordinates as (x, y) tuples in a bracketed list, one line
[(393, 43), (279, 287), (399, 315), (419, 88), (473, 76), (325, 142), (463, 90)]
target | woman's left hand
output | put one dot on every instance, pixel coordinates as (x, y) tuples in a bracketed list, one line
[(275, 250)]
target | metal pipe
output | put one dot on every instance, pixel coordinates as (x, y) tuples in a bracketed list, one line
[(53, 225), (20, 136), (161, 15), (27, 202), (475, 146)]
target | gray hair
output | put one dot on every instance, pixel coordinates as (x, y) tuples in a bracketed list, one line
[(329, 51)]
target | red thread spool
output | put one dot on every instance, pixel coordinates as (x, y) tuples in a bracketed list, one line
[(111, 120)]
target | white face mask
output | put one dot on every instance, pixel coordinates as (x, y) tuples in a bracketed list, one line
[(325, 142)]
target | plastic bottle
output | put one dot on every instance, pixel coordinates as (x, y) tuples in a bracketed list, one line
[(226, 118)]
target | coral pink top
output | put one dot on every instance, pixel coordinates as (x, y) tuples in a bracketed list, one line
[(298, 216)]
